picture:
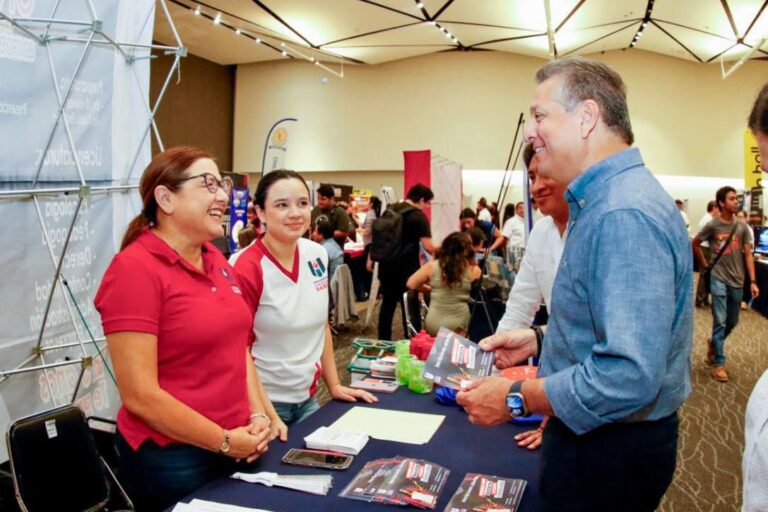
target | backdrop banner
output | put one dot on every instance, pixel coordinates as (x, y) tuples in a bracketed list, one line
[(105, 134)]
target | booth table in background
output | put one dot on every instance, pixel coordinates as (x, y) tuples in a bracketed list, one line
[(761, 278), (458, 445)]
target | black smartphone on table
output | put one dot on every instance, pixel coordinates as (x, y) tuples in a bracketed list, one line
[(317, 458)]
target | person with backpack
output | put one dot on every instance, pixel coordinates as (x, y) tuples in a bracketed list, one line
[(396, 235)]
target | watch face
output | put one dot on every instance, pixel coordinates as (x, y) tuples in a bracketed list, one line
[(515, 405)]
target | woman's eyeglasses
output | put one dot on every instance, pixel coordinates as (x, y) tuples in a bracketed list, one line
[(212, 183)]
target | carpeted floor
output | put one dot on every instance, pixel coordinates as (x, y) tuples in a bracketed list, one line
[(708, 475)]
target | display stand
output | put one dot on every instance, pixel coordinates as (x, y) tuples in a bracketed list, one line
[(84, 111)]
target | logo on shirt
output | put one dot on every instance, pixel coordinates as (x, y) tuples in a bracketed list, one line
[(316, 267), (230, 280)]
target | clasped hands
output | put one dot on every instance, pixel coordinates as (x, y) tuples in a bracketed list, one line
[(251, 441)]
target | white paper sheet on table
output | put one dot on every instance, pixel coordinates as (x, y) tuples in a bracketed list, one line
[(211, 506), (390, 425)]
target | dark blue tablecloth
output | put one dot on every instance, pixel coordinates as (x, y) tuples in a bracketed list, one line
[(761, 278), (458, 445)]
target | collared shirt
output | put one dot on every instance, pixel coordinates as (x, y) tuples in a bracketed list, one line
[(618, 344), (533, 282), (201, 323), (290, 314)]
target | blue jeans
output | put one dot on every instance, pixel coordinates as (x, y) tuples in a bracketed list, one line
[(294, 413), (726, 301), (157, 477)]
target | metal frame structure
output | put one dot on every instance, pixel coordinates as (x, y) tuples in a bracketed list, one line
[(42, 31)]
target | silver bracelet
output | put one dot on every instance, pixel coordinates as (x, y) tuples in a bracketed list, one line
[(261, 415)]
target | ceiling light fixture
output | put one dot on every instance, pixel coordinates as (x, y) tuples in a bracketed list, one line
[(238, 31), (257, 41), (419, 5), (217, 19), (285, 53), (197, 11)]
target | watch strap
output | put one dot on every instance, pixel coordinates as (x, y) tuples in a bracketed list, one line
[(539, 338)]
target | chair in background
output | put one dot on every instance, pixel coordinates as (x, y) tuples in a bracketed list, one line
[(413, 307), (56, 465)]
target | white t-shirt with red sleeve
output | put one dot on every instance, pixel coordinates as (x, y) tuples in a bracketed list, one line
[(201, 323), (290, 314)]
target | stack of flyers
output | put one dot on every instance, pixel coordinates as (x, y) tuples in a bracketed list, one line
[(398, 481), (455, 361), (485, 493)]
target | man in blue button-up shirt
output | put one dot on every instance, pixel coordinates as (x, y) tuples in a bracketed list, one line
[(615, 363)]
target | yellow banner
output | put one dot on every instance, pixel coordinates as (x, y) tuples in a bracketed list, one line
[(751, 161)]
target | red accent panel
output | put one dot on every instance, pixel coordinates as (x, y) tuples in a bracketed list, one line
[(318, 372), (417, 170)]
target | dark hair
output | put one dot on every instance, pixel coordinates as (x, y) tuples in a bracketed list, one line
[(528, 153), (758, 117), (454, 256), (467, 213), (165, 169), (509, 212), (711, 206), (679, 202), (326, 191), (721, 194), (483, 202), (519, 204), (324, 227), (476, 235), (419, 192), (587, 79), (245, 236), (266, 182), (375, 203)]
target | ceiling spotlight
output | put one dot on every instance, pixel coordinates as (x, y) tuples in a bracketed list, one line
[(317, 63), (455, 39), (285, 54), (442, 29), (238, 31), (431, 22), (217, 19), (448, 35), (197, 11), (282, 44), (639, 33), (258, 41), (644, 24), (419, 5), (632, 44)]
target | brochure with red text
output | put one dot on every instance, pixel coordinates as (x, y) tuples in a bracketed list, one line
[(455, 360), (486, 493), (398, 481)]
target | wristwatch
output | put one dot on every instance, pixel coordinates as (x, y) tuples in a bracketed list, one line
[(516, 401), (224, 446)]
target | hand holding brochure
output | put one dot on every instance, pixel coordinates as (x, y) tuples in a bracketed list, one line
[(325, 438), (313, 484), (454, 361)]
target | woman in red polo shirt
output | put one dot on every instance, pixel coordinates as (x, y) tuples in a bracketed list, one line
[(178, 331)]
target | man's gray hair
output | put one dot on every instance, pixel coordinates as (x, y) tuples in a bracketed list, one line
[(586, 79)]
